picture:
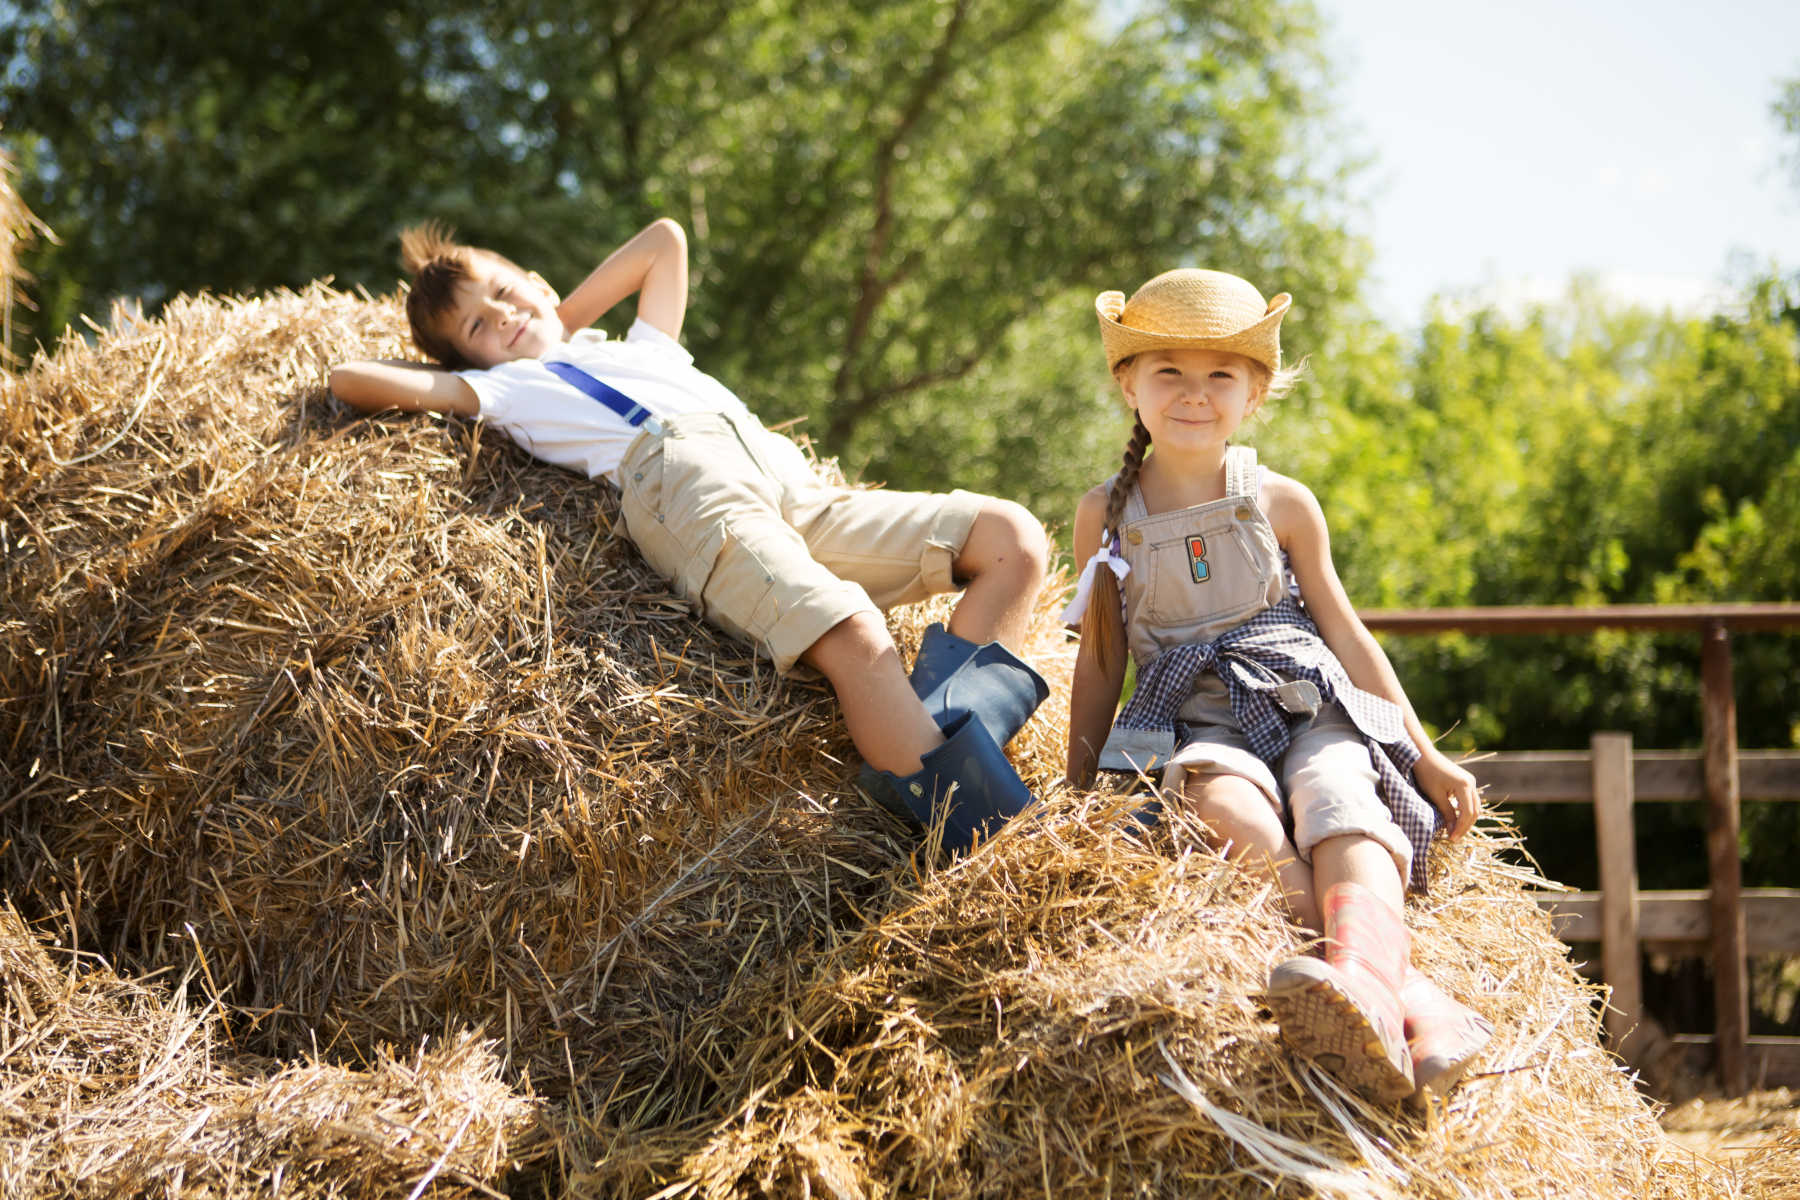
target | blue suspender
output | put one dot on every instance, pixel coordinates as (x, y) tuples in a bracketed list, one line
[(629, 410)]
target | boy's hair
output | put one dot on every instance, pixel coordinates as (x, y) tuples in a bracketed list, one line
[(439, 265)]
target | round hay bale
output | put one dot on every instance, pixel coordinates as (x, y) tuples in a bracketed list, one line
[(386, 714), (1774, 1170), (390, 725), (385, 719)]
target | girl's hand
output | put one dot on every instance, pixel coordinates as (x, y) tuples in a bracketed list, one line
[(1449, 787)]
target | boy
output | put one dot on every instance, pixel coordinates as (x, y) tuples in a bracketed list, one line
[(735, 518)]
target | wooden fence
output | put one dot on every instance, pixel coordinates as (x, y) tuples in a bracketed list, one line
[(1726, 921)]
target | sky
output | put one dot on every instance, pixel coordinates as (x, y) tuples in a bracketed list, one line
[(1516, 146)]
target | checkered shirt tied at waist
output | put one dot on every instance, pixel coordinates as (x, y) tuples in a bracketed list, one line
[(1277, 672)]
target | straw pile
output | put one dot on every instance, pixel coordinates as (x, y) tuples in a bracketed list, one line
[(108, 1089), (1774, 1173), (379, 732)]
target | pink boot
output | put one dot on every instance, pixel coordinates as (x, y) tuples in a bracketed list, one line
[(1443, 1036), (1344, 1013)]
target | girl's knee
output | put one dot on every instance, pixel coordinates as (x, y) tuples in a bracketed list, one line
[(1345, 815), (1233, 807)]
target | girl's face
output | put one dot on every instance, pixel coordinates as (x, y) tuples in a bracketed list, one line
[(1191, 399)]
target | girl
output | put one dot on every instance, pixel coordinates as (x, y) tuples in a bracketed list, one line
[(1256, 679)]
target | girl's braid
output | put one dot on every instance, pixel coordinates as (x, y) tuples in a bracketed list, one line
[(1100, 625), (1126, 479)]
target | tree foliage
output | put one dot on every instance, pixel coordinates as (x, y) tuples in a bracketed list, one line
[(232, 147), (881, 193)]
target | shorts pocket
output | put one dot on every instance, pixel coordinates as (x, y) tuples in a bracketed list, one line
[(696, 569), (746, 593)]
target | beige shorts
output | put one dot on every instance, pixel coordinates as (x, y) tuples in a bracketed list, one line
[(735, 518), (1326, 775)]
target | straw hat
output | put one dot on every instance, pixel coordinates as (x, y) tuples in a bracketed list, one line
[(1189, 308)]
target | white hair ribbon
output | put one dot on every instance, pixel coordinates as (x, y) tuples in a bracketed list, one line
[(1106, 556)]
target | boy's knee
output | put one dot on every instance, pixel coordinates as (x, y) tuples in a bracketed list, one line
[(851, 645), (1009, 534)]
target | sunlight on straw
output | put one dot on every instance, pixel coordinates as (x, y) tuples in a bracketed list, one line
[(1286, 1157)]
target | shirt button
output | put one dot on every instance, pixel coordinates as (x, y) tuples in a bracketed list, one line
[(659, 518), (639, 477), (1135, 537), (1243, 512)]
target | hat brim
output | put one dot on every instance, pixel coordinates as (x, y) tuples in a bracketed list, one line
[(1260, 341)]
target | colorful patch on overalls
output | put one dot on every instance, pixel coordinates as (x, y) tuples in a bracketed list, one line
[(1197, 559)]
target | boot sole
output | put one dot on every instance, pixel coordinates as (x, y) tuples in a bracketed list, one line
[(1320, 1023)]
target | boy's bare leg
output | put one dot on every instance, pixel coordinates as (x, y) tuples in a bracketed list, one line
[(890, 727), (1003, 562), (1248, 829)]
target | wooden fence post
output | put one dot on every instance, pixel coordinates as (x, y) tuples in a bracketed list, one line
[(1731, 984), (1616, 844)]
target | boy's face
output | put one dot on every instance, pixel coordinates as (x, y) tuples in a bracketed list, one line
[(502, 313)]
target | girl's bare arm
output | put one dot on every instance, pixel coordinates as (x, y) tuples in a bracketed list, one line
[(1300, 527)]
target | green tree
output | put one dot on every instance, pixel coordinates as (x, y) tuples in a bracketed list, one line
[(1003, 154), (885, 196), (230, 147)]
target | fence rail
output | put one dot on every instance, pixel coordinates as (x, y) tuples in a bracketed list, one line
[(1658, 776), (1614, 777), (1678, 922)]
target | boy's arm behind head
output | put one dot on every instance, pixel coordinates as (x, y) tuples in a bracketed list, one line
[(375, 385), (653, 264)]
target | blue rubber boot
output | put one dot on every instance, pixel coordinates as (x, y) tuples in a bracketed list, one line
[(968, 774), (940, 653), (954, 677)]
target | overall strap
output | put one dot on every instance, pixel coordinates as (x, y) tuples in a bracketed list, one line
[(1134, 509), (1241, 475), (628, 410)]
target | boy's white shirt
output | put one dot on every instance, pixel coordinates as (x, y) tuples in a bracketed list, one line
[(555, 422)]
